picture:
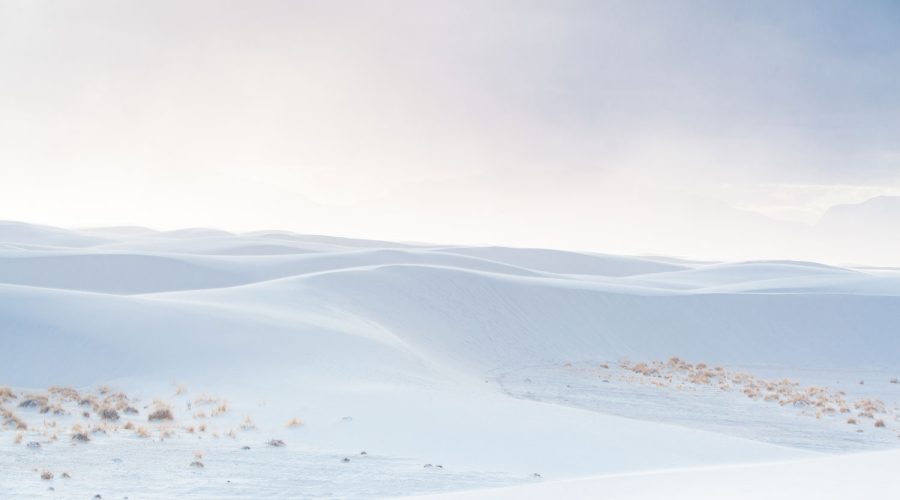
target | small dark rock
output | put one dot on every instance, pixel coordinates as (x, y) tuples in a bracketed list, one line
[(198, 464), (245, 447), (33, 444), (535, 475), (363, 453), (345, 460), (428, 466), (277, 443)]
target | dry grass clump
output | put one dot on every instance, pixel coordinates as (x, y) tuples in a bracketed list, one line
[(294, 422), (46, 475), (205, 399), (142, 432), (64, 393), (6, 394), (161, 411), (221, 409), (11, 419), (129, 426), (109, 414), (679, 374), (879, 423), (248, 424), (118, 401), (79, 435), (869, 407), (34, 401), (180, 389), (19, 437), (200, 415)]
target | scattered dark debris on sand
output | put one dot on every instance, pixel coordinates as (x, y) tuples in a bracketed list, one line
[(198, 464), (33, 444), (81, 437)]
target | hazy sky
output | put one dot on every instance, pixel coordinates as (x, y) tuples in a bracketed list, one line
[(622, 125)]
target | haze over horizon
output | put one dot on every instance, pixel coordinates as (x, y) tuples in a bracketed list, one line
[(697, 129)]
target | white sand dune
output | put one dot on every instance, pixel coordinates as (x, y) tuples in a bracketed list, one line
[(408, 339)]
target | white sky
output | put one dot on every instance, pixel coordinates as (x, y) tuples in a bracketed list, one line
[(621, 126)]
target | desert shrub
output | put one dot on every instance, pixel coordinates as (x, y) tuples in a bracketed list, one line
[(294, 422), (109, 414), (221, 409), (64, 393), (34, 401), (160, 414)]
